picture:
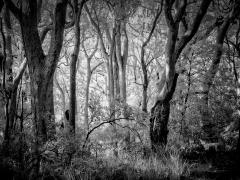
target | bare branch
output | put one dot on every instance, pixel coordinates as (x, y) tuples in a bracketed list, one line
[(98, 32), (102, 123), (153, 26), (95, 67)]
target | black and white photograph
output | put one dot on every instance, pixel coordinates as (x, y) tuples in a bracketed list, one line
[(119, 89)]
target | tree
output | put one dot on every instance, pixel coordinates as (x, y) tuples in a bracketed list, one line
[(109, 58), (77, 10), (167, 83), (10, 81), (89, 75), (41, 66), (144, 64)]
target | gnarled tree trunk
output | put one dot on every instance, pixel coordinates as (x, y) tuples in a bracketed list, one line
[(167, 83), (41, 68)]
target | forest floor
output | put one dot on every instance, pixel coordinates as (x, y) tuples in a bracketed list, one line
[(169, 166)]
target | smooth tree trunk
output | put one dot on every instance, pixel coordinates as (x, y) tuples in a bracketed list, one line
[(73, 65), (116, 78), (122, 58), (72, 100), (168, 80), (87, 96), (111, 76), (145, 79), (73, 70), (2, 76)]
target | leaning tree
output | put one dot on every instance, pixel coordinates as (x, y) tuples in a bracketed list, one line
[(180, 32)]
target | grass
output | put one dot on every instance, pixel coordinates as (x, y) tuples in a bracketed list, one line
[(163, 165), (127, 166)]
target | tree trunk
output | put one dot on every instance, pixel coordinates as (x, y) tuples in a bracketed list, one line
[(41, 71), (41, 68), (122, 80), (167, 83), (72, 101), (159, 119), (144, 96), (122, 60), (145, 82), (166, 87), (63, 98), (87, 95), (116, 78), (73, 68), (11, 83), (111, 76), (10, 92)]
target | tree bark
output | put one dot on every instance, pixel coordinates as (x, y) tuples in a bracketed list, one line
[(41, 69), (167, 84), (63, 97), (111, 76), (10, 82), (9, 91), (122, 59), (87, 95), (73, 69), (159, 119)]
